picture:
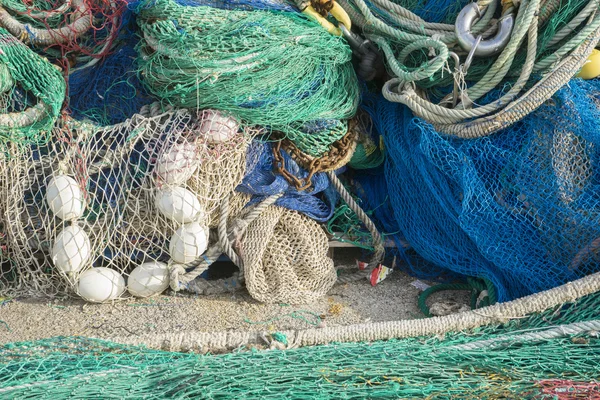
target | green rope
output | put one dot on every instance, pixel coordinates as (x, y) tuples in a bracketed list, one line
[(475, 286)]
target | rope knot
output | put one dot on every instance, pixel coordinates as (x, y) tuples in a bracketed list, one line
[(175, 273)]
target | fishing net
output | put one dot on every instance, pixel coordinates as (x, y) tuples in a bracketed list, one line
[(547, 354), (113, 198), (110, 92), (473, 79), (272, 69), (273, 5), (285, 258), (31, 94), (316, 202), (518, 208)]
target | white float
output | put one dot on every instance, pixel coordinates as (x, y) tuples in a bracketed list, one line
[(178, 204), (71, 249), (217, 127), (148, 279), (101, 284), (178, 164), (65, 198), (188, 243)]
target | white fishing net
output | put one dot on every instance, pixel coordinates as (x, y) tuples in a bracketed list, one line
[(285, 258), (114, 198)]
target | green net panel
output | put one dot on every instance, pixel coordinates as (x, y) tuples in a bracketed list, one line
[(278, 70), (525, 358)]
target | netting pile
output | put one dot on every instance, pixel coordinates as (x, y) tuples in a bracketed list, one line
[(142, 140), (518, 208), (298, 247), (114, 198), (271, 69), (551, 354)]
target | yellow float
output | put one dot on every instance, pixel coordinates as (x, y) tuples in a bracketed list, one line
[(591, 68)]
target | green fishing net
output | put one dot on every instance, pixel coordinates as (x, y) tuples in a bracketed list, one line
[(32, 92), (278, 70)]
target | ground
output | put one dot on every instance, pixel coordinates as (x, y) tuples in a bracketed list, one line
[(143, 321)]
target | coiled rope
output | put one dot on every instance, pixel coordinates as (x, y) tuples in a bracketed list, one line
[(563, 53)]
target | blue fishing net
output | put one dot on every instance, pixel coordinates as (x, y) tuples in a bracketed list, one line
[(110, 91), (261, 181), (520, 208)]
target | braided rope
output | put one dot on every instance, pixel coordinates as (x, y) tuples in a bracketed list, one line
[(379, 251), (368, 332), (81, 23)]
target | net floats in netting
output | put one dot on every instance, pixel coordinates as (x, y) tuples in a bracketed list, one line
[(101, 284), (178, 164), (179, 204), (71, 250), (148, 279), (188, 243), (591, 68), (217, 127), (65, 198)]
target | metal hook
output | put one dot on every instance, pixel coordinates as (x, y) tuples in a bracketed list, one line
[(484, 48)]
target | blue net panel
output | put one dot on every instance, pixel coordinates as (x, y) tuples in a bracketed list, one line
[(318, 202), (520, 208)]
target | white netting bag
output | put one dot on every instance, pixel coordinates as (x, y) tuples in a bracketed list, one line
[(285, 258), (96, 206)]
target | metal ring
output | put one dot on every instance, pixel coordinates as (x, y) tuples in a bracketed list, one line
[(485, 48)]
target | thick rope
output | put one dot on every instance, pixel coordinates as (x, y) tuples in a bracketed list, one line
[(81, 23), (367, 332), (463, 121), (379, 250)]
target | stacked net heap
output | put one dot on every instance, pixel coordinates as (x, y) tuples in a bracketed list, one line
[(141, 141)]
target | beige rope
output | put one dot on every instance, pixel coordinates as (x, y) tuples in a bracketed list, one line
[(81, 17), (496, 314)]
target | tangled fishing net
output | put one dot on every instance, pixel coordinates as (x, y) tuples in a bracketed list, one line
[(518, 208), (285, 258), (277, 70), (113, 198), (76, 34), (31, 94)]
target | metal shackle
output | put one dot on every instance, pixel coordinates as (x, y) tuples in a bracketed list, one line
[(489, 47)]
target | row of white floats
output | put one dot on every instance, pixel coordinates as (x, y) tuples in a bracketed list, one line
[(72, 248)]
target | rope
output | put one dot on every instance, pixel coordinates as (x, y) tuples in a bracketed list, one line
[(437, 40), (483, 293), (182, 279), (81, 22), (379, 250), (369, 332)]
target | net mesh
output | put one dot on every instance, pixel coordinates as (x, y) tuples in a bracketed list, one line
[(113, 198), (278, 70), (563, 366), (517, 208), (285, 258)]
